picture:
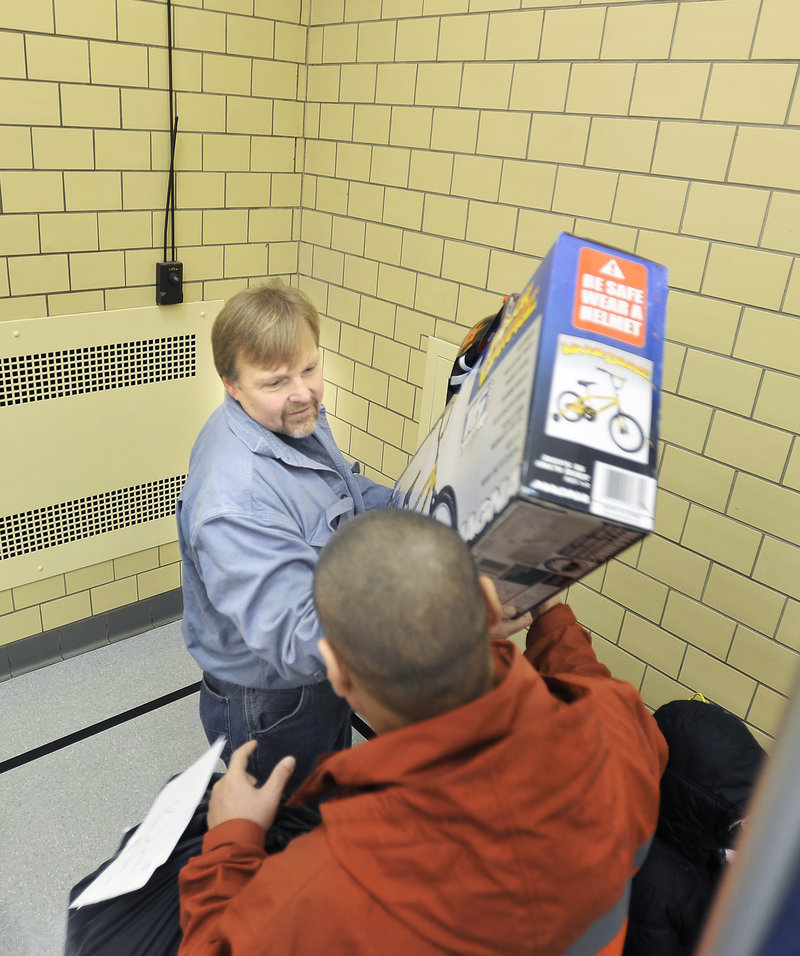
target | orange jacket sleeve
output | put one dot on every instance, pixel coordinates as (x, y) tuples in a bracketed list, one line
[(561, 650), (557, 644), (232, 854)]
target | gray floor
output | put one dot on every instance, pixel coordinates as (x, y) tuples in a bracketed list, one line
[(65, 813)]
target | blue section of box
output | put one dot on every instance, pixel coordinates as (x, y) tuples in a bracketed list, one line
[(558, 282), (545, 461)]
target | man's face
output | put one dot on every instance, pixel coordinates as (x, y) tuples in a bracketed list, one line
[(284, 398)]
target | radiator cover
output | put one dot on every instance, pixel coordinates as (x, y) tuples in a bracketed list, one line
[(98, 413)]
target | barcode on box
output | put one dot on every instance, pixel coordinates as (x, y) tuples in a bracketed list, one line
[(621, 494)]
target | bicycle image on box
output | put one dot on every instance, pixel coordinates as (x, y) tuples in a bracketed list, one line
[(625, 431)]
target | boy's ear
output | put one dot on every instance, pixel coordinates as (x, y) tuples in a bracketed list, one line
[(338, 673)]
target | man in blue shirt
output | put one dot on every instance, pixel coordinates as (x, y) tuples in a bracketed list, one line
[(267, 487)]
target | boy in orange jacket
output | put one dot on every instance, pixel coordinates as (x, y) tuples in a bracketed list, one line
[(503, 807)]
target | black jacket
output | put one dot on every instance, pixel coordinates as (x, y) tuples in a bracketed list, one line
[(709, 777)]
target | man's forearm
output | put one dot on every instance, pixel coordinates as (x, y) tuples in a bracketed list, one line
[(374, 495)]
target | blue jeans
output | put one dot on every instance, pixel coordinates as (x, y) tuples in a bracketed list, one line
[(302, 722)]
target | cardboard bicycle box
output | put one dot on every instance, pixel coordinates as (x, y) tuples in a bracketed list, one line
[(545, 460)]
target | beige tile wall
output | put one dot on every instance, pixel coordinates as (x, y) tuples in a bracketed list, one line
[(84, 120), (410, 162), (66, 598), (463, 136)]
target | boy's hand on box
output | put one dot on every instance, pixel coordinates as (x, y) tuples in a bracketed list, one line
[(512, 622), (545, 606)]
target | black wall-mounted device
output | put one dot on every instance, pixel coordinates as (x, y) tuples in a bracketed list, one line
[(169, 283)]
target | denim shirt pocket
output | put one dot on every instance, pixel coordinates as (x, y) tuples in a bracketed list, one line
[(340, 510)]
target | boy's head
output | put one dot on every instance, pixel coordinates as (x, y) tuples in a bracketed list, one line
[(400, 601)]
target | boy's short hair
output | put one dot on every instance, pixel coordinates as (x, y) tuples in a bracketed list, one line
[(398, 597), (267, 325)]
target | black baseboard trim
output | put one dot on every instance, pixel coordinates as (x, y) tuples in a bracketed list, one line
[(61, 643), (97, 728), (359, 724)]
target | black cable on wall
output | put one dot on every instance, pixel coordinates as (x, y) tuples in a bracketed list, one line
[(169, 272)]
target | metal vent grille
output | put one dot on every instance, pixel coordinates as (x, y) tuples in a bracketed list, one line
[(95, 368), (81, 518)]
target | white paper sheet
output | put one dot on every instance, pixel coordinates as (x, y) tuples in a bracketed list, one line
[(158, 833)]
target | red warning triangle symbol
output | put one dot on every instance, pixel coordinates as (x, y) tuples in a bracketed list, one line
[(611, 268)]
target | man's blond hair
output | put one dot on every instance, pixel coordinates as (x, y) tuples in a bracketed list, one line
[(268, 325)]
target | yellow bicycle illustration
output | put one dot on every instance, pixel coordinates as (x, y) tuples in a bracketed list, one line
[(626, 432)]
